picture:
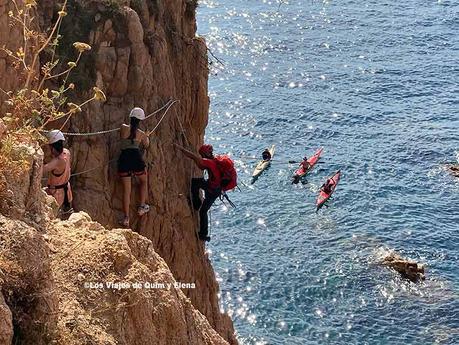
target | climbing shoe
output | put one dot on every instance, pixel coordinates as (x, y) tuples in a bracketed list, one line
[(143, 209)]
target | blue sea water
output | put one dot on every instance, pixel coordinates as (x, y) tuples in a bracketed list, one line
[(376, 83)]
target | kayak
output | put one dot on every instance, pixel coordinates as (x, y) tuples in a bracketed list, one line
[(262, 165), (301, 171), (323, 197)]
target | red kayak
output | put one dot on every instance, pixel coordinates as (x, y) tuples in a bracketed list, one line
[(301, 171), (323, 196)]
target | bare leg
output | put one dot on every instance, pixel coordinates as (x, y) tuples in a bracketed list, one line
[(126, 194), (143, 179)]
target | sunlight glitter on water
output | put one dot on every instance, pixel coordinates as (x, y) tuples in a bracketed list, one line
[(383, 119)]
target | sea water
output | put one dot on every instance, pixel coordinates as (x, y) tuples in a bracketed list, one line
[(376, 83)]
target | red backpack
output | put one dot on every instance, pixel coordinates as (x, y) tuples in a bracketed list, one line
[(229, 175)]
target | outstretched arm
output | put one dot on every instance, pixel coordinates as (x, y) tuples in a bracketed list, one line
[(197, 159)]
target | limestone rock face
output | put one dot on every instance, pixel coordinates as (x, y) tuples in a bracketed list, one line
[(24, 197), (10, 37), (75, 285), (86, 254), (26, 281)]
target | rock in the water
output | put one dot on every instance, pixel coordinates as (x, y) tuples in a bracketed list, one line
[(453, 169), (408, 269)]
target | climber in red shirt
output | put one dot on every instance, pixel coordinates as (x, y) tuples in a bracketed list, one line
[(211, 186)]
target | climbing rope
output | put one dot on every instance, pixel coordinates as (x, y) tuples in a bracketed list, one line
[(162, 117), (78, 134), (182, 130), (209, 229), (160, 109), (90, 134), (171, 103)]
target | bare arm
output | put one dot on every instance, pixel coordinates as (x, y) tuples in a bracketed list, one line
[(124, 131), (197, 159), (145, 141), (55, 164)]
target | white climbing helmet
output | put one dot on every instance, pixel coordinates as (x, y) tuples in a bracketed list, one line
[(138, 113), (54, 136)]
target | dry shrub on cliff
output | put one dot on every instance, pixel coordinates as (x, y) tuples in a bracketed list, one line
[(43, 97)]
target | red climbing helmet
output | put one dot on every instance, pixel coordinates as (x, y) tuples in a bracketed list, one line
[(206, 150)]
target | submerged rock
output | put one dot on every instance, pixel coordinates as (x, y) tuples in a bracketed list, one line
[(408, 269), (453, 169)]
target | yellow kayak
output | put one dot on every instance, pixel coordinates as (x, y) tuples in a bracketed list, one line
[(262, 165)]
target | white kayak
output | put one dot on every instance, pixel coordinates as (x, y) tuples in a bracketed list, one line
[(263, 165)]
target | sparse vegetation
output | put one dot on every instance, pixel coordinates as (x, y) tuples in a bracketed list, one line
[(43, 97)]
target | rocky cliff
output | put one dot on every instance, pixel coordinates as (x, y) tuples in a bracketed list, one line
[(9, 37), (144, 52), (76, 284)]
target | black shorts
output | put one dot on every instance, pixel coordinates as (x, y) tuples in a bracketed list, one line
[(131, 163)]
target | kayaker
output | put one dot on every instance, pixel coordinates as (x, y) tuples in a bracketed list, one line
[(58, 170), (131, 162), (211, 186), (327, 186), (305, 164), (266, 155)]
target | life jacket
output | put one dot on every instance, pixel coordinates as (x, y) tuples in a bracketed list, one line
[(227, 171)]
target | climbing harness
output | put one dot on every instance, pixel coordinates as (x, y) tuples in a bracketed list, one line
[(65, 187)]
